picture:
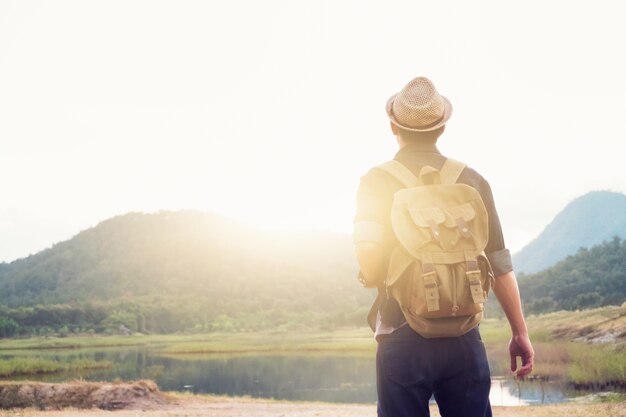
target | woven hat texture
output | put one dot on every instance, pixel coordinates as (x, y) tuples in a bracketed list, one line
[(419, 107)]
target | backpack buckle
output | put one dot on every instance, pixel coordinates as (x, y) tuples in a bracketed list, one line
[(431, 290), (476, 288)]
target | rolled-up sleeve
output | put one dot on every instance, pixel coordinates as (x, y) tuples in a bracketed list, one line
[(371, 221), (500, 261)]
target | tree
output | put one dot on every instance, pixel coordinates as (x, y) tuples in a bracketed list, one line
[(8, 327)]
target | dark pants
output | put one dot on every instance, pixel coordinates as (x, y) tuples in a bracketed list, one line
[(410, 368)]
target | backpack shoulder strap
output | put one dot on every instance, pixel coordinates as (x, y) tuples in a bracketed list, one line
[(399, 172), (450, 171)]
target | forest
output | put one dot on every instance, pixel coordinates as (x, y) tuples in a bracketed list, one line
[(593, 277), (196, 272), (176, 271)]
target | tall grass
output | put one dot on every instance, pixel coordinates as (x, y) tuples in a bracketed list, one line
[(592, 364), (35, 366), (557, 357)]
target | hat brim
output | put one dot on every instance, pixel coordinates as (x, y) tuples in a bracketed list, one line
[(447, 112)]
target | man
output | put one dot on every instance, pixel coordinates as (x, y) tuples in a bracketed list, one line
[(412, 366)]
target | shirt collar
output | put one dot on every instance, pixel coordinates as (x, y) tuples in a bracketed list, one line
[(419, 147)]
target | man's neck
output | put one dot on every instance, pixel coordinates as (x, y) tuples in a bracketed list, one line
[(418, 145)]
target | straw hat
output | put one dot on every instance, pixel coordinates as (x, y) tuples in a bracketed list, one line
[(419, 107)]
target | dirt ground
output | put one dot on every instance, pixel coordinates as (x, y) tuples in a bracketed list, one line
[(143, 398), (196, 406)]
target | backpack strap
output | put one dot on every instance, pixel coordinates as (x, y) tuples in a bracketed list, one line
[(399, 172), (473, 274), (450, 171), (372, 316), (429, 276)]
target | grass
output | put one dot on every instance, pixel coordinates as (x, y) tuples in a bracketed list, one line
[(557, 356), (600, 363), (573, 324), (78, 342), (351, 341), (38, 366)]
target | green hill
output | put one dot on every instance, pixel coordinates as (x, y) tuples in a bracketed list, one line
[(586, 221), (591, 278), (180, 270), (175, 271)]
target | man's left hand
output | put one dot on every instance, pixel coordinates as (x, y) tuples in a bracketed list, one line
[(520, 346)]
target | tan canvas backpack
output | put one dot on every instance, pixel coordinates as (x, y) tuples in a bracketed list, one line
[(438, 273)]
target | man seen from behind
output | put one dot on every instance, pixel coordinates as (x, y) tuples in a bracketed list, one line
[(427, 235)]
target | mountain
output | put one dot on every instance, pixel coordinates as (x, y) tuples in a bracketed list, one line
[(592, 277), (586, 221), (170, 271), (174, 271)]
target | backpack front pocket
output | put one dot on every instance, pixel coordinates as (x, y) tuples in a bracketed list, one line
[(443, 292)]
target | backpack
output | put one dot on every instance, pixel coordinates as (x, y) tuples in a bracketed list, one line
[(438, 272)]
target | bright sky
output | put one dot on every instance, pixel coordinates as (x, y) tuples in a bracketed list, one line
[(269, 112)]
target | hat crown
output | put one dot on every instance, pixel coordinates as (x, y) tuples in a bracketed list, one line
[(419, 106)]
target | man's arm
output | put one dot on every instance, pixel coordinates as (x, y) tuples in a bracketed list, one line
[(507, 292), (373, 262), (371, 227)]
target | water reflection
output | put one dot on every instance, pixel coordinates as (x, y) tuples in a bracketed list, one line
[(319, 378), (511, 392), (345, 379)]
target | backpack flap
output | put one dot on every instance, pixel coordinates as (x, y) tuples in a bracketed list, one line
[(440, 218), (459, 217), (427, 218)]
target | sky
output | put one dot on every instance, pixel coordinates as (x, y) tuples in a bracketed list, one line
[(270, 112)]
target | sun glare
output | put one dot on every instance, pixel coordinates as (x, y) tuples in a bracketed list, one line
[(286, 215)]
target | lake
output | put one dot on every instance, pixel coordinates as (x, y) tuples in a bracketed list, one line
[(323, 377)]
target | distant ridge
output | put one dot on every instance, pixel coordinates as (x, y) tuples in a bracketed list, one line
[(170, 271), (591, 278), (587, 221)]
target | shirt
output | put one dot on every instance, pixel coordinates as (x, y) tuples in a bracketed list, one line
[(372, 221)]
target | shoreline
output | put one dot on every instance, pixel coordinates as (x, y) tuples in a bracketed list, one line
[(143, 398), (190, 405)]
